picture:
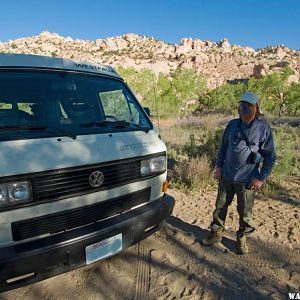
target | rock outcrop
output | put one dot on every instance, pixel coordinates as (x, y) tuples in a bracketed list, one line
[(218, 62)]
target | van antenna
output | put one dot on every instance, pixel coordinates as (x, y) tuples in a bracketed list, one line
[(155, 97)]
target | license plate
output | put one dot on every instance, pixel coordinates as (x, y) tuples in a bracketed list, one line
[(103, 249)]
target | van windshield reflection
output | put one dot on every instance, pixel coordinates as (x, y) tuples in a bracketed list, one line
[(50, 104)]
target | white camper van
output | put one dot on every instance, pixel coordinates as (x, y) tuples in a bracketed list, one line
[(82, 172)]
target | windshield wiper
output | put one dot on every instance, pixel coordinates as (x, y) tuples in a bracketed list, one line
[(26, 127), (114, 124), (95, 124), (146, 129), (37, 128), (64, 132)]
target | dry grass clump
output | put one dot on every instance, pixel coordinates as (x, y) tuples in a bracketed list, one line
[(195, 173), (175, 136), (205, 121)]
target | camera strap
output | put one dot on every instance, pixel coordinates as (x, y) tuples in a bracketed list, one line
[(244, 136), (257, 154)]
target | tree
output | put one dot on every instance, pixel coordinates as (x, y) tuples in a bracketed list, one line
[(188, 87), (224, 98), (293, 99), (170, 96), (273, 90), (141, 83)]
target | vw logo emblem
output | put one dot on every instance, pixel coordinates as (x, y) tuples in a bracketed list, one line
[(96, 179)]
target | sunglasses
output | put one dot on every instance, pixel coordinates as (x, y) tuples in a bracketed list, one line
[(247, 104)]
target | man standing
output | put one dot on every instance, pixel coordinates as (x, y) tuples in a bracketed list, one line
[(245, 159)]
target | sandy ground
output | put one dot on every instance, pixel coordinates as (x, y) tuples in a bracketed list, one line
[(172, 264)]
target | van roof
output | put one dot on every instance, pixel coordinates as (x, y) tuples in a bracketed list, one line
[(9, 60)]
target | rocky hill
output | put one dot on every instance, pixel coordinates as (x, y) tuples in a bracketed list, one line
[(218, 62)]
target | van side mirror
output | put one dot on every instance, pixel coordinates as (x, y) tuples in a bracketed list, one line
[(147, 110)]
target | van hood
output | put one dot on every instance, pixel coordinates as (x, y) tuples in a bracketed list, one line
[(36, 155)]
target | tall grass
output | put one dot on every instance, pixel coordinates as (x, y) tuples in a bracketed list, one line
[(192, 149), (192, 174), (287, 141)]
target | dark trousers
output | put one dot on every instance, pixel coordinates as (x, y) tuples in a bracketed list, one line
[(245, 203)]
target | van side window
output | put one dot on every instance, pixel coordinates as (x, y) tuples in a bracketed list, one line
[(116, 104)]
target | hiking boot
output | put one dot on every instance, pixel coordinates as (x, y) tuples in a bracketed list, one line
[(213, 238), (241, 245)]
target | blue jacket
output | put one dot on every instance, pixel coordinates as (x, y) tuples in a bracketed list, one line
[(233, 151)]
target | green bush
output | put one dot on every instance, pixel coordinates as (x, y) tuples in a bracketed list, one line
[(287, 141), (209, 146)]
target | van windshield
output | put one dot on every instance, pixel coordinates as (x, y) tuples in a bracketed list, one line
[(50, 104)]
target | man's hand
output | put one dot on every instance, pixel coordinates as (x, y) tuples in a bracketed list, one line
[(255, 184), (218, 173)]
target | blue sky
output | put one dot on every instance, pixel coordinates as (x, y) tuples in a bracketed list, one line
[(254, 23)]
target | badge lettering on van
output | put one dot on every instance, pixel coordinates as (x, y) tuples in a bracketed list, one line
[(99, 68), (138, 146)]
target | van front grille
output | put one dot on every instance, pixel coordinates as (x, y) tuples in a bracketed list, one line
[(77, 217), (68, 183), (71, 182)]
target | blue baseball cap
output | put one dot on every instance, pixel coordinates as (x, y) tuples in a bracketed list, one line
[(251, 98)]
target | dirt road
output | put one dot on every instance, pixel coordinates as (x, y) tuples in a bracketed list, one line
[(173, 264)]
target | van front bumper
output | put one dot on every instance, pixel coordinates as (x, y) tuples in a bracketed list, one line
[(39, 259)]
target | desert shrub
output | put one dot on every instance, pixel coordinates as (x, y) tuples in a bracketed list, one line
[(270, 188), (176, 137), (192, 174), (191, 148), (287, 141), (208, 145)]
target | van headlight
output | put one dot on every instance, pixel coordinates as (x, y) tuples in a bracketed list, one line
[(15, 192), (153, 165)]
